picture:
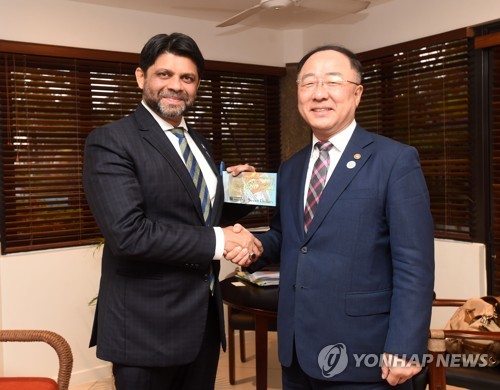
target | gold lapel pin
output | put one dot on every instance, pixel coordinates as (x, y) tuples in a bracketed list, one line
[(357, 156)]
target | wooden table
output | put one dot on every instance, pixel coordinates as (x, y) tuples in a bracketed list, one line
[(262, 303)]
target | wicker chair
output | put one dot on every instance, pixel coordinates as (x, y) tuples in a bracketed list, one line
[(62, 349)]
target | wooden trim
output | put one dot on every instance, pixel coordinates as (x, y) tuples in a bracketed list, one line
[(66, 52), (117, 56), (486, 41)]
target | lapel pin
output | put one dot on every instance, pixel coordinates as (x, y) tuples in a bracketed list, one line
[(357, 156), (351, 164)]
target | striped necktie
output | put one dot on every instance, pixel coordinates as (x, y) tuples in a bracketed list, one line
[(318, 181), (199, 182), (195, 172)]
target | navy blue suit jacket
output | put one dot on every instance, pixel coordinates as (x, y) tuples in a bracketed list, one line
[(154, 290), (363, 275)]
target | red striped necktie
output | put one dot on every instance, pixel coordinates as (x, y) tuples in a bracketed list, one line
[(318, 181)]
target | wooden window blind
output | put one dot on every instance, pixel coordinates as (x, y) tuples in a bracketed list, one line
[(52, 97), (494, 99), (418, 93), (240, 115)]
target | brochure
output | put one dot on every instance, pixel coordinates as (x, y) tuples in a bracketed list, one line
[(255, 188)]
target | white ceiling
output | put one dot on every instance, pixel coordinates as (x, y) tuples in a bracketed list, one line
[(309, 13)]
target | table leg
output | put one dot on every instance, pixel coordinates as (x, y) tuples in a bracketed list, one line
[(261, 326)]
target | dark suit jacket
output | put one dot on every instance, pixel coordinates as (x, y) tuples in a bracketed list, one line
[(154, 290), (363, 275)]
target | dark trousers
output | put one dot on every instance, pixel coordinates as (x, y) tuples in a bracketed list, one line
[(198, 375), (294, 378)]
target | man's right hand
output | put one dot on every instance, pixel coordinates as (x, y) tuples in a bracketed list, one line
[(240, 246)]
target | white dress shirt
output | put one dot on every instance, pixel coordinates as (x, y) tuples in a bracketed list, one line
[(208, 173)]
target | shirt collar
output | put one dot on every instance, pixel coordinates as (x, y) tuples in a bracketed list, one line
[(162, 122), (339, 140)]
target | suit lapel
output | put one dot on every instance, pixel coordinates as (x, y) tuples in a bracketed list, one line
[(351, 162), (155, 136), (296, 188)]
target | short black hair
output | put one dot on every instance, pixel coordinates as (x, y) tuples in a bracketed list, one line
[(353, 59), (176, 43)]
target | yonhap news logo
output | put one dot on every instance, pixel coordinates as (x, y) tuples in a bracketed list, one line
[(333, 360)]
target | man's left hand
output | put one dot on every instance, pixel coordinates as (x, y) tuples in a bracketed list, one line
[(396, 370)]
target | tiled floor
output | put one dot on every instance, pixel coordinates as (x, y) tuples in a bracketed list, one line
[(245, 372)]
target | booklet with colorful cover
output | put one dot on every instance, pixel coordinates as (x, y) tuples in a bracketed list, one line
[(255, 188)]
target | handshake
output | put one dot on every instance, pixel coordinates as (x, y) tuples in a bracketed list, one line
[(240, 246)]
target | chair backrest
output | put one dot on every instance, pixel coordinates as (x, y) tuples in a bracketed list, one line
[(56, 341)]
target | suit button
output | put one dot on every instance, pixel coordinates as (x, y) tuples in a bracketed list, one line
[(205, 277), (303, 249)]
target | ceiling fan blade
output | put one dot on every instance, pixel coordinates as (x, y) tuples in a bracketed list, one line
[(355, 6), (240, 16)]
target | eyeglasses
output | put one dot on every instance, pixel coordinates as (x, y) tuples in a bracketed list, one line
[(330, 82)]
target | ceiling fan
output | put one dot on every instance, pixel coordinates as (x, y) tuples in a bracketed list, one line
[(324, 7)]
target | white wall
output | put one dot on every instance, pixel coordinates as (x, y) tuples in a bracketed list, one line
[(395, 21), (460, 274), (50, 289), (68, 23)]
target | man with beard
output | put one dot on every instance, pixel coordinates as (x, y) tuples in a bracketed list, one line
[(156, 195)]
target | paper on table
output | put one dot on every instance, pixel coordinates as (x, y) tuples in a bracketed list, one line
[(260, 278)]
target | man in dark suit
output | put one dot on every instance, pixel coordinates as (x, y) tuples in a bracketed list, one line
[(357, 253), (159, 318)]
